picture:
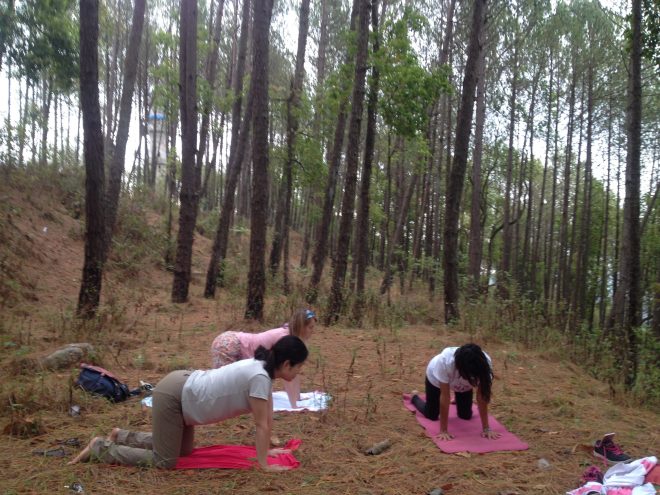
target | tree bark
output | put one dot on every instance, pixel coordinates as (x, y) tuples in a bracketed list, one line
[(126, 105), (334, 160), (398, 231), (352, 156), (283, 220), (92, 274), (563, 230), (627, 304), (475, 250), (539, 222), (362, 230), (211, 74), (190, 174), (259, 200), (236, 156), (47, 96), (582, 272), (457, 175), (503, 275), (524, 263)]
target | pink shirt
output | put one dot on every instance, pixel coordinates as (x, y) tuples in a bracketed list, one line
[(250, 341)]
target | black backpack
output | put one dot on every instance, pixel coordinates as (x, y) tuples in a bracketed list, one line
[(101, 382)]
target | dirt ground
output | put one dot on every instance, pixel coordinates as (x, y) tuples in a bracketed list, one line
[(549, 403)]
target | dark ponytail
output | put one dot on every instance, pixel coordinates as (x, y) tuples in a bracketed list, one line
[(472, 364), (288, 348)]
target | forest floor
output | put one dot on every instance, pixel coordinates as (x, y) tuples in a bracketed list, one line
[(553, 405)]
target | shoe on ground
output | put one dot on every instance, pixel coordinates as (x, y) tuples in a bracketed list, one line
[(610, 452)]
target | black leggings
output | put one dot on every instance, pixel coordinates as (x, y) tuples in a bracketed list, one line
[(431, 408)]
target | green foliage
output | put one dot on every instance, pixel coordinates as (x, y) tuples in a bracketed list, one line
[(648, 368), (408, 89), (50, 45), (165, 74), (650, 32), (7, 24), (312, 172), (135, 242)]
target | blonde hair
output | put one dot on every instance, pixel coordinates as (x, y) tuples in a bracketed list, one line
[(297, 322)]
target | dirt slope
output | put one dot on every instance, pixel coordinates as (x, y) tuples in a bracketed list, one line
[(553, 405)]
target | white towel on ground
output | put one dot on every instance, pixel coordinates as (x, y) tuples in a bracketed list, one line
[(309, 401)]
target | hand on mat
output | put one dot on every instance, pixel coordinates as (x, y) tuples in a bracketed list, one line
[(279, 451), (444, 435), (491, 435)]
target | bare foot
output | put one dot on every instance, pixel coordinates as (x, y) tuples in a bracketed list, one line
[(85, 453), (113, 435)]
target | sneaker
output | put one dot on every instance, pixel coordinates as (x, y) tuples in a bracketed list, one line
[(610, 452), (592, 473)]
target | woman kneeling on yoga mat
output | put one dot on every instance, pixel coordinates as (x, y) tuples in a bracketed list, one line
[(231, 346), (184, 399), (459, 369)]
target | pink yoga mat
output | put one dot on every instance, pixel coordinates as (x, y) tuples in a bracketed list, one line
[(467, 433), (234, 457)]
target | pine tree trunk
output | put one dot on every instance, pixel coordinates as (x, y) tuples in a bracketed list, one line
[(23, 128), (190, 174), (240, 133), (504, 273), (334, 160), (627, 303), (539, 222), (211, 75), (335, 304), (283, 221), (446, 56), (387, 199), (398, 232), (418, 226), (259, 201), (432, 211), (563, 230), (362, 222), (570, 295), (606, 221), (524, 273), (475, 250), (47, 96), (582, 275), (118, 157), (457, 175), (92, 274)]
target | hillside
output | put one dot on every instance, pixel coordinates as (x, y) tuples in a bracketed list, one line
[(553, 405)]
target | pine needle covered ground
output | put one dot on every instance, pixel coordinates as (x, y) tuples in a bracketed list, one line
[(553, 405)]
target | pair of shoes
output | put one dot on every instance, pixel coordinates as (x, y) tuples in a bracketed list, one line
[(610, 452), (592, 473)]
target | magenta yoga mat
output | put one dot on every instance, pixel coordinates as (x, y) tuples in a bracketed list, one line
[(467, 433)]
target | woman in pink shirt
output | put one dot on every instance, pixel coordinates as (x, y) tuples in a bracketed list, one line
[(231, 346)]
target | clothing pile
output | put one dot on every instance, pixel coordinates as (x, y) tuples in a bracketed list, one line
[(621, 479)]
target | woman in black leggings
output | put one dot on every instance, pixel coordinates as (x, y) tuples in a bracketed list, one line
[(460, 369)]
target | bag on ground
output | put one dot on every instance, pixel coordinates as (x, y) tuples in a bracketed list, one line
[(101, 382)]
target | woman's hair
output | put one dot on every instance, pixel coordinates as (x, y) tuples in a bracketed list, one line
[(298, 321), (288, 348), (472, 364)]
